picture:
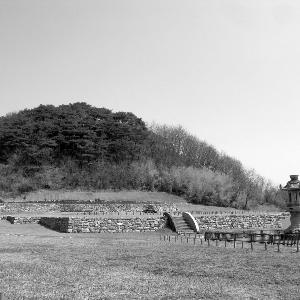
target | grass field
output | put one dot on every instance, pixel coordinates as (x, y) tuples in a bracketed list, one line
[(36, 262)]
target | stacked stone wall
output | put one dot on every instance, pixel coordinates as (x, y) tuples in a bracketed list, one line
[(153, 223), (76, 225), (115, 225), (87, 208), (22, 220), (266, 221), (14, 207)]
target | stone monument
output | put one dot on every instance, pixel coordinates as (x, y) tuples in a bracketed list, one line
[(293, 189)]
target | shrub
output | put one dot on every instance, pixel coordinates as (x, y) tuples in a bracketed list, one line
[(202, 186)]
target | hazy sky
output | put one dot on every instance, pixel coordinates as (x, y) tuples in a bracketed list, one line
[(228, 71)]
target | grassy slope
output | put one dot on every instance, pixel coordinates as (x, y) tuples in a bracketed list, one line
[(48, 265), (109, 196)]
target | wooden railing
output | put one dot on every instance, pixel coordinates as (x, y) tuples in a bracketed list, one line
[(234, 240)]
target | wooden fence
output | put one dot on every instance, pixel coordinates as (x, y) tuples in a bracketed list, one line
[(236, 239)]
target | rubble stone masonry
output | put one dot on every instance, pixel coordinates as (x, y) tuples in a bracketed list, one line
[(264, 221), (153, 223)]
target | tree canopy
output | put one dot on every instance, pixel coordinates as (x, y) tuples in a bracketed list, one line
[(48, 134)]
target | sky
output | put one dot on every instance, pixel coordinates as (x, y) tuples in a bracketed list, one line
[(227, 71)]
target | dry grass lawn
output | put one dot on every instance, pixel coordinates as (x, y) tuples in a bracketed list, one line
[(36, 262)]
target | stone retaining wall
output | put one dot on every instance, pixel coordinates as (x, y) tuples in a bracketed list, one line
[(87, 208), (211, 222), (68, 224), (14, 208), (22, 220), (267, 220), (115, 225)]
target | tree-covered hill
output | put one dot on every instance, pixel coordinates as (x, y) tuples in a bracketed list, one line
[(49, 134), (80, 146)]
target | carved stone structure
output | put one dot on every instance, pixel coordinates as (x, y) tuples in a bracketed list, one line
[(293, 189)]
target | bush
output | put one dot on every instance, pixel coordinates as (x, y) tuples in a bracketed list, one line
[(25, 188), (202, 186)]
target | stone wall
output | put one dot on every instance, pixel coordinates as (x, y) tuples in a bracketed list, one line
[(153, 223), (86, 208), (115, 225), (22, 220), (15, 208), (74, 225), (266, 221)]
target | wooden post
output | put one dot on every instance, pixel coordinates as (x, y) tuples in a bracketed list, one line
[(194, 240), (265, 246), (242, 244), (297, 242), (234, 237), (225, 243), (201, 241), (169, 238), (272, 239), (278, 245), (251, 240), (208, 242)]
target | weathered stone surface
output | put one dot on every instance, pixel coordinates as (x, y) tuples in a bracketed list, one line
[(87, 208), (73, 225), (265, 221)]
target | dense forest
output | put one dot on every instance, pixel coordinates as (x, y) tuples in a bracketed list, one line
[(80, 146)]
